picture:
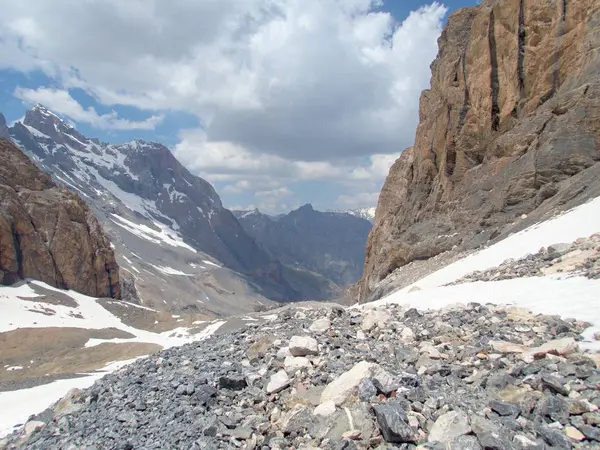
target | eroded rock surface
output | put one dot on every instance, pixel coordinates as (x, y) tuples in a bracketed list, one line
[(510, 126), (48, 233)]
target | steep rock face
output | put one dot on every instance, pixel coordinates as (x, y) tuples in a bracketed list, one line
[(48, 233), (4, 133), (512, 113)]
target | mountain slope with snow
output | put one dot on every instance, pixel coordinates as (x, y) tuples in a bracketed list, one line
[(164, 222), (367, 213)]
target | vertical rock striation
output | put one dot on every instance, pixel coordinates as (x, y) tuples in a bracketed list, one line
[(511, 118), (48, 233)]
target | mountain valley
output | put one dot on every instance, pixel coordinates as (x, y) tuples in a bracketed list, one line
[(137, 312)]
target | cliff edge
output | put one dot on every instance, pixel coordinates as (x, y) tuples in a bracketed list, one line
[(48, 233), (509, 126)]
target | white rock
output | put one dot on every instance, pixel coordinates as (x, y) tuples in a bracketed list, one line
[(560, 347), (325, 409), (279, 381), (283, 352), (32, 426), (375, 317), (343, 386), (320, 326), (303, 345), (449, 426), (407, 334), (296, 362)]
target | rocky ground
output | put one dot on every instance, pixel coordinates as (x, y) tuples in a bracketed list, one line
[(466, 377), (580, 258)]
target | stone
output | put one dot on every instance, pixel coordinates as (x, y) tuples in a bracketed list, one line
[(507, 347), (574, 433), (393, 424), (373, 318), (320, 325), (384, 382), (325, 409), (232, 381), (407, 335), (293, 363), (463, 443), (278, 382), (449, 426), (72, 402), (339, 389), (299, 418), (489, 434), (590, 432), (505, 408), (303, 346), (366, 390), (32, 426), (561, 347)]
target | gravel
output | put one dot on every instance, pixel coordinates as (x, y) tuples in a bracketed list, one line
[(475, 376)]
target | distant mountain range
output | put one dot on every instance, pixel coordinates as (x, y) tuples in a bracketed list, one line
[(178, 248), (363, 213), (328, 243)]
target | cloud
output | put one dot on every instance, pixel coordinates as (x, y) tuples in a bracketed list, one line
[(312, 80), (360, 200), (61, 102), (287, 90)]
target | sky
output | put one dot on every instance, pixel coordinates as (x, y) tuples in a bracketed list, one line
[(277, 103)]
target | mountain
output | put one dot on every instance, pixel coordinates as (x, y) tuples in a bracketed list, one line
[(178, 247), (326, 243), (508, 134), (48, 233), (363, 213)]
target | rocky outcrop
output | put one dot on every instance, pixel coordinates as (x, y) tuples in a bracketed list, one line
[(48, 233), (4, 133), (512, 116)]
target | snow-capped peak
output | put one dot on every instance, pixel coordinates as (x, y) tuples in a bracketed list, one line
[(367, 213)]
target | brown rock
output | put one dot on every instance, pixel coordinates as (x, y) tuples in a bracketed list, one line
[(48, 233), (510, 125)]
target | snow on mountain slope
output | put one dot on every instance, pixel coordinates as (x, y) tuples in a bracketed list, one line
[(560, 294), (367, 213), (158, 215), (57, 313)]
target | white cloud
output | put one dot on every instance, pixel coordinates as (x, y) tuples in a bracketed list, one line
[(360, 200), (284, 90), (299, 79), (61, 102)]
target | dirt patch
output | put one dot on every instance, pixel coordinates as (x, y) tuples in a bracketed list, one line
[(154, 321), (49, 296), (32, 353)]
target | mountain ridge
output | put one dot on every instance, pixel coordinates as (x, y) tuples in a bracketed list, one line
[(326, 243), (142, 192)]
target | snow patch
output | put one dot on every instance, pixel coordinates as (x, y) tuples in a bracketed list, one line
[(166, 235)]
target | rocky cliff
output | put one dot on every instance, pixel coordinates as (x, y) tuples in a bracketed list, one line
[(48, 233), (510, 121)]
